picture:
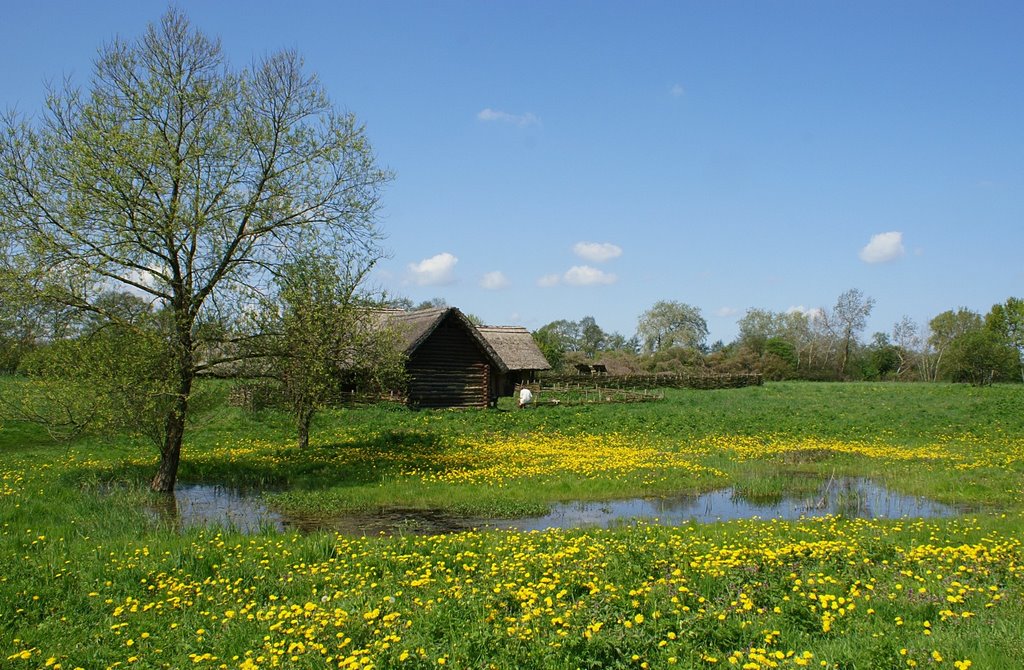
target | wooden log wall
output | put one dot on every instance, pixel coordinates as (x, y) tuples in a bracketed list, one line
[(449, 370)]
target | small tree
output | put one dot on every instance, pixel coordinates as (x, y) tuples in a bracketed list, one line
[(551, 345), (779, 360), (756, 327), (322, 336), (433, 303), (593, 339), (883, 357)]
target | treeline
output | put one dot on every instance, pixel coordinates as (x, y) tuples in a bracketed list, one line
[(819, 344)]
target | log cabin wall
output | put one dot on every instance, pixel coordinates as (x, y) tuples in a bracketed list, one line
[(449, 369)]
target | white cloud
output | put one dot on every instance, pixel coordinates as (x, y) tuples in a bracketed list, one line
[(810, 312), (492, 281), (596, 252), (677, 90), (726, 311), (578, 275), (521, 120), (883, 247), (434, 271), (584, 275)]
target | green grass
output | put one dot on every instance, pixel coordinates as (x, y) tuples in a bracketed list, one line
[(91, 579)]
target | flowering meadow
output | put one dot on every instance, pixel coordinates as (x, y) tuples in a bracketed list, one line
[(90, 579)]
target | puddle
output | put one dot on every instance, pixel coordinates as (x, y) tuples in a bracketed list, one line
[(852, 498), (205, 505), (209, 505)]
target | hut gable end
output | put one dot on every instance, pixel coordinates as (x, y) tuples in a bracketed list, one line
[(449, 363), (453, 363)]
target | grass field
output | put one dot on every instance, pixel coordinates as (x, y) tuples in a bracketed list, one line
[(89, 579)]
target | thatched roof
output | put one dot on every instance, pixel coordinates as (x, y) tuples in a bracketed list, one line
[(414, 328), (515, 346)]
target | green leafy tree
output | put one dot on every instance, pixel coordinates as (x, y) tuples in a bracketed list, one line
[(979, 357), (557, 339), (945, 329), (780, 355), (586, 337), (322, 336), (113, 378), (593, 339), (617, 342), (187, 181), (671, 324), (433, 303), (756, 327), (1007, 319), (567, 333), (763, 332), (27, 320), (551, 345), (883, 357)]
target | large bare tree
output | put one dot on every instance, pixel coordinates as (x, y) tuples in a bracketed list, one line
[(188, 182)]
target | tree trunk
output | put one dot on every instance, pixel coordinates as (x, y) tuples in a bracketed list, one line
[(847, 345), (170, 452), (304, 421), (174, 426)]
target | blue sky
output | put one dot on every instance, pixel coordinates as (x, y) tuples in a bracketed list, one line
[(565, 159)]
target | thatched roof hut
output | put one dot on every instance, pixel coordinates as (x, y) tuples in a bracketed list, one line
[(519, 353), (414, 328), (449, 363), (516, 347)]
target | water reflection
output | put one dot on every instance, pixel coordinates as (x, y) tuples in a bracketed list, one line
[(204, 505), (849, 497), (194, 505)]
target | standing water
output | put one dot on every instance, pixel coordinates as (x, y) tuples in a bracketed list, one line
[(204, 505), (849, 497)]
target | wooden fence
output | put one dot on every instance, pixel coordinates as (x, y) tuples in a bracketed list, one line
[(680, 381), (581, 392)]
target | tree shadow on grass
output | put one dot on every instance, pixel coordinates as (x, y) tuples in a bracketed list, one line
[(368, 459)]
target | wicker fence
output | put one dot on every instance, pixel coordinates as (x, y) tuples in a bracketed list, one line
[(560, 393), (687, 381)]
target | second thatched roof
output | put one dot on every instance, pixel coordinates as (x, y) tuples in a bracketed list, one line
[(515, 346)]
